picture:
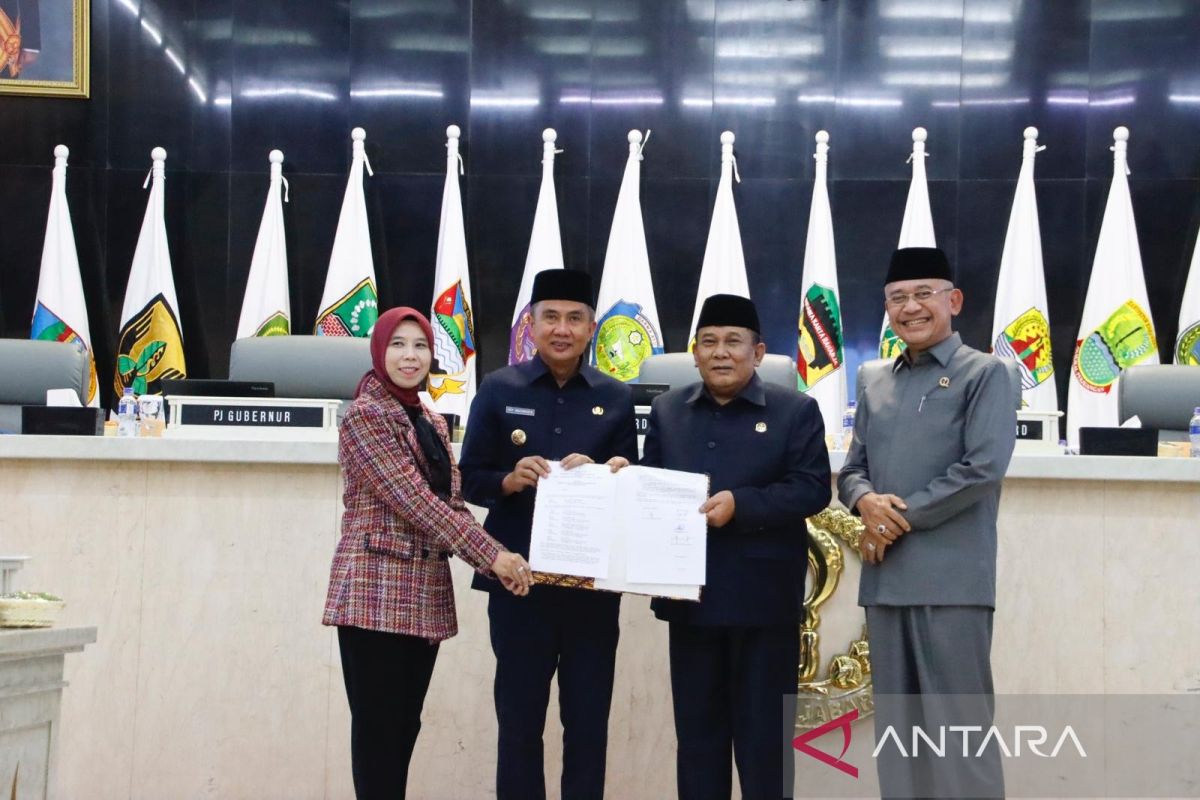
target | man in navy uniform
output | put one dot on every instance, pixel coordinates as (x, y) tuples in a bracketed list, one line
[(734, 655), (933, 436), (552, 407)]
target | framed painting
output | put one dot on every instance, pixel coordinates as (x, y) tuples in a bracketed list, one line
[(44, 47)]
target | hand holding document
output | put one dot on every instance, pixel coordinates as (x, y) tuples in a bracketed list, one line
[(638, 530)]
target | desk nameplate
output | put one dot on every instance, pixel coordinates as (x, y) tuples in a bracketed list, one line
[(282, 416), (254, 417)]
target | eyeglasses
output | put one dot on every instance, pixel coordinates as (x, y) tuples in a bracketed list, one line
[(921, 296)]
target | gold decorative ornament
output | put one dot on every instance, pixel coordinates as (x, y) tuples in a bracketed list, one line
[(944, 382), (760, 427), (518, 437), (846, 684), (598, 411)]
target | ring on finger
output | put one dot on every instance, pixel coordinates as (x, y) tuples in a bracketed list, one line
[(881, 528)]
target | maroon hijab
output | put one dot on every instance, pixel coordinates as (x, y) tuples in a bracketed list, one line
[(385, 326)]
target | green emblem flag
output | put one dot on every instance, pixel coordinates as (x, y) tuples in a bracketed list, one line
[(1020, 325), (820, 340), (350, 305), (916, 230), (276, 325), (1116, 330), (820, 337), (351, 315), (150, 339), (1187, 344), (628, 331), (266, 308)]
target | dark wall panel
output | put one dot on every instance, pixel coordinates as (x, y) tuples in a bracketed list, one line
[(221, 83)]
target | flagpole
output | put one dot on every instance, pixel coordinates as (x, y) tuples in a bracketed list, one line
[(628, 330), (545, 252), (916, 229), (724, 268), (452, 388), (1020, 317), (1116, 330), (820, 341), (59, 311)]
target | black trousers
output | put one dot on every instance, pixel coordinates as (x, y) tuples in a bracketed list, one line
[(730, 686), (387, 676), (573, 632)]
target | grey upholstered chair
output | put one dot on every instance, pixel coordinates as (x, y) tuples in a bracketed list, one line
[(1162, 396), (28, 367), (679, 369), (302, 366)]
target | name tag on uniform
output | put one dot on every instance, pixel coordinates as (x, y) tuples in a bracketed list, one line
[(524, 412)]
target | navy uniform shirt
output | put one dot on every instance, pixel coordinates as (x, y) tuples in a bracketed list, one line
[(591, 414), (767, 446), (937, 431)]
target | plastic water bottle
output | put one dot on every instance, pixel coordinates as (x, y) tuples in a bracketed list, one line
[(127, 424), (1194, 433), (848, 426)]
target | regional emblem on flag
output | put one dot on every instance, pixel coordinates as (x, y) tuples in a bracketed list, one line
[(624, 339), (819, 351), (353, 315), (49, 327), (454, 330), (1026, 340), (1187, 347), (1124, 339), (521, 347), (275, 325), (149, 349), (890, 345)]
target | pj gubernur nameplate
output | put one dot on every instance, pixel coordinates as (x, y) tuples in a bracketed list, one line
[(252, 416)]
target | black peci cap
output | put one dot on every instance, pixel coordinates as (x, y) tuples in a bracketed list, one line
[(728, 310), (563, 284), (915, 263)]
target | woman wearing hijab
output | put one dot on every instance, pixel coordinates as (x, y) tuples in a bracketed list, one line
[(390, 592)]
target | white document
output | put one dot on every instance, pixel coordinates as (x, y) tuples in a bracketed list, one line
[(572, 521), (638, 530), (669, 534)]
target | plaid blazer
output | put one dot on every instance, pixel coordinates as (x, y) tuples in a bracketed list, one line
[(390, 570)]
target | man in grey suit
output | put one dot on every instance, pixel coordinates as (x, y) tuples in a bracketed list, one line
[(933, 436)]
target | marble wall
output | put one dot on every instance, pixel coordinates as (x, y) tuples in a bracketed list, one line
[(212, 675)]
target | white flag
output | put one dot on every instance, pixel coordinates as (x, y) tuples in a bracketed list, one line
[(1021, 322), (150, 339), (820, 351), (545, 252), (1187, 343), (915, 231), (59, 313), (266, 308), (350, 304), (453, 387), (724, 268), (1116, 331), (629, 331)]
